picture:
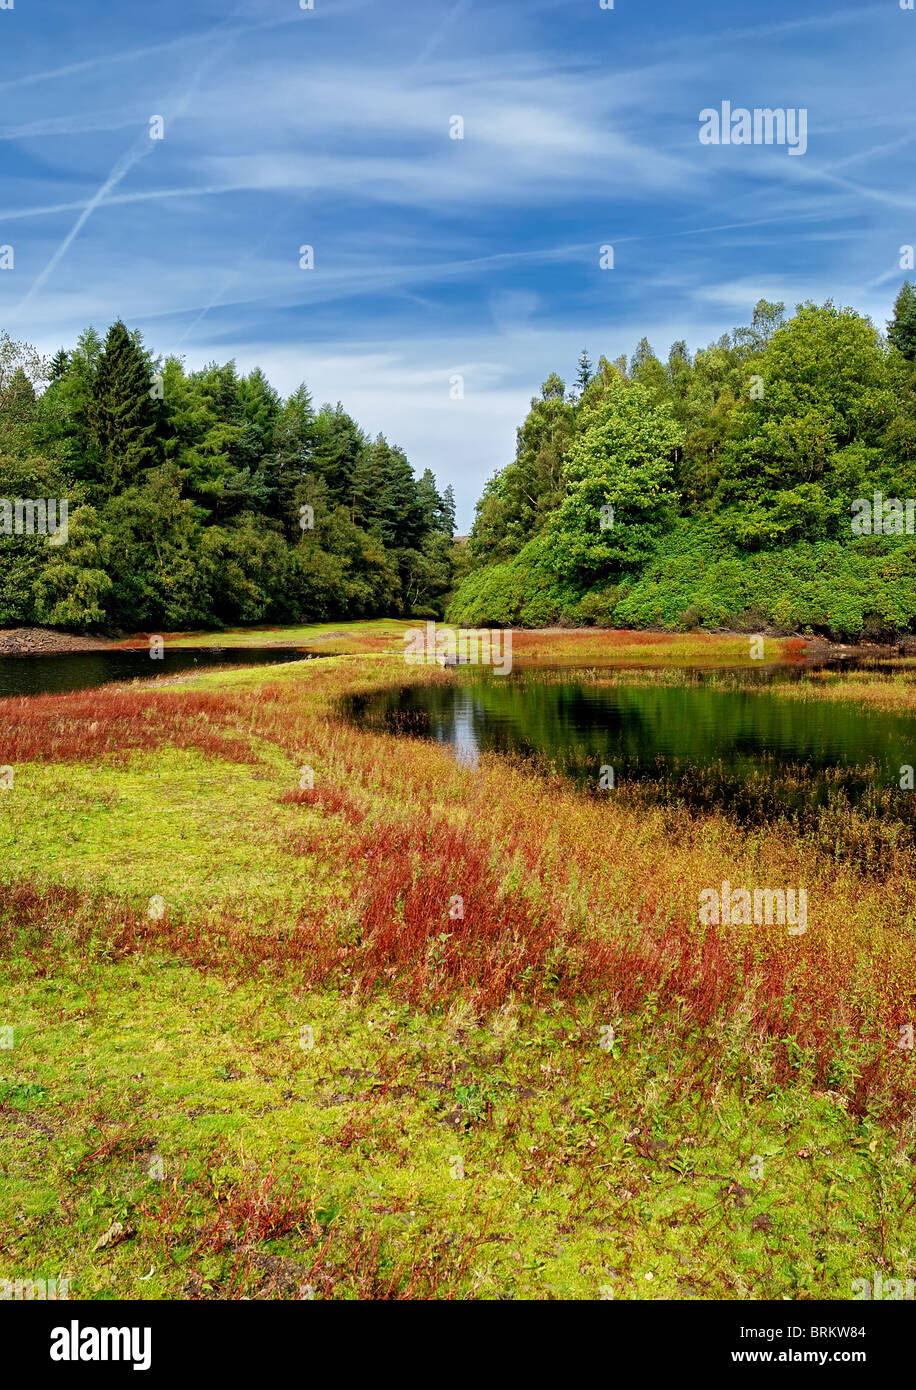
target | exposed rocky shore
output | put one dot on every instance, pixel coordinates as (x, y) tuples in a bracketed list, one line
[(44, 641)]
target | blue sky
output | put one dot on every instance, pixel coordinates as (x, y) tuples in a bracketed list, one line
[(434, 256)]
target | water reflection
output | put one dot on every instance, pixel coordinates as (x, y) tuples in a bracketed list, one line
[(718, 740)]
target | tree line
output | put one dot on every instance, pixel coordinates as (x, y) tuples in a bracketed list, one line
[(203, 498), (712, 488)]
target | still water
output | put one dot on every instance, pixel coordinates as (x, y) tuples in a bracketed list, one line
[(731, 739), (42, 675)]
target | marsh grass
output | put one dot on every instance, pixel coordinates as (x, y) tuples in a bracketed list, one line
[(436, 1037)]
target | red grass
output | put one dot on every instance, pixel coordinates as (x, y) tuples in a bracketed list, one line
[(86, 726), (328, 799), (695, 979), (323, 1259), (830, 998)]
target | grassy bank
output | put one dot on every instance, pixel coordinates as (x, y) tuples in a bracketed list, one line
[(537, 647), (256, 1052)]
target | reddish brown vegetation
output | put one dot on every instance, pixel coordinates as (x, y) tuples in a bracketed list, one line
[(827, 1000), (784, 991), (329, 799), (249, 1211), (88, 725)]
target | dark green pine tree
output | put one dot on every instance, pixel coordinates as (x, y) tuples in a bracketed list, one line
[(363, 495), (122, 414), (372, 477), (398, 511), (293, 446), (260, 410), (585, 372), (59, 363), (901, 330), (429, 500), (338, 445), (446, 518)]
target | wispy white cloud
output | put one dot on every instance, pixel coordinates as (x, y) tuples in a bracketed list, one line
[(433, 255)]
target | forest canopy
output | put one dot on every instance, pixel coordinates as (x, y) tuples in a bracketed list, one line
[(713, 488), (202, 499)]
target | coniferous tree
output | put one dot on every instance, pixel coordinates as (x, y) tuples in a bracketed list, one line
[(901, 330), (122, 414), (429, 500), (585, 372), (186, 503), (63, 429), (362, 493), (260, 411), (339, 443), (398, 512), (447, 512), (292, 454), (58, 364)]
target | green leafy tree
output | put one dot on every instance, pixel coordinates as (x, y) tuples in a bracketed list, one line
[(790, 470), (620, 494), (768, 317), (518, 502), (74, 585), (154, 561)]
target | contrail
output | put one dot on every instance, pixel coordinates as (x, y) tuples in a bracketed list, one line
[(123, 166), (128, 160), (227, 283), (439, 33), (53, 73), (432, 43)]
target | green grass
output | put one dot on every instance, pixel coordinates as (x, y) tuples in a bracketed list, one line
[(366, 635), (195, 831), (584, 1170), (179, 1103)]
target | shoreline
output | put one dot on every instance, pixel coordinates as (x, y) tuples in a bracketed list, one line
[(39, 641), (45, 641)]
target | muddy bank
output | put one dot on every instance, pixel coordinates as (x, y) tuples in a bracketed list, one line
[(44, 641), (820, 648)]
